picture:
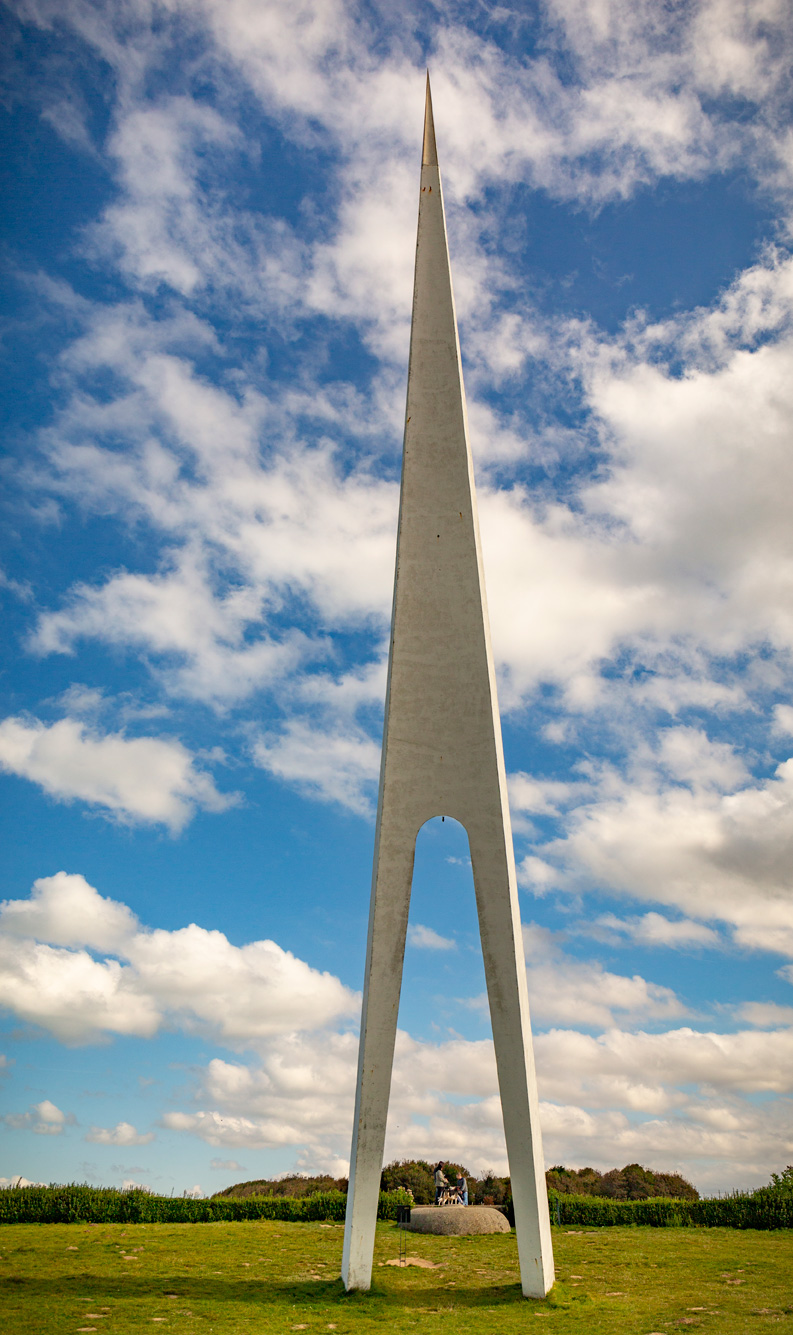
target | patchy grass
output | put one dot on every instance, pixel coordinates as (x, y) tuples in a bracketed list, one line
[(261, 1277)]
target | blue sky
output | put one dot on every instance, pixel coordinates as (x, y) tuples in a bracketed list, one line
[(207, 254)]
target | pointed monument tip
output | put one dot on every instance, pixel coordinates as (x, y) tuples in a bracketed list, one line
[(429, 154)]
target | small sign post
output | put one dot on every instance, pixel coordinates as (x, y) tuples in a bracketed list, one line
[(403, 1223)]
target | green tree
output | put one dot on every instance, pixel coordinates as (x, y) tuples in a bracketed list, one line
[(414, 1175), (782, 1182)]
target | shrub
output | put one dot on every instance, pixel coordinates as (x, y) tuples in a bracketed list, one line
[(414, 1174), (489, 1190), (763, 1209), (76, 1204), (769, 1207), (782, 1182), (294, 1184), (631, 1183)]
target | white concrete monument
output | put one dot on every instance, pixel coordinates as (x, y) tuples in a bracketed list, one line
[(442, 755)]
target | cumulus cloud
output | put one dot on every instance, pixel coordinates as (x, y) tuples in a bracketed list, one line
[(191, 976), (570, 585), (567, 990), (298, 1097), (681, 1093), (74, 996), (144, 779), (676, 1098), (714, 856), (157, 227), (639, 589), (337, 766), (244, 536), (64, 910), (654, 929), (584, 993), (766, 1014), (783, 720), (44, 1119), (123, 1133), (562, 125), (425, 938), (586, 1065)]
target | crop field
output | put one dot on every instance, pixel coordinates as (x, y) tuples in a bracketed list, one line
[(253, 1278)]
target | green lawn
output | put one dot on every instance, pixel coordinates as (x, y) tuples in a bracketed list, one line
[(252, 1278)]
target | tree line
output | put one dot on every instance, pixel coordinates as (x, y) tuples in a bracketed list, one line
[(631, 1183)]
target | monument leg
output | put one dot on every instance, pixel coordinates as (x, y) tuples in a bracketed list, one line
[(505, 973), (388, 920)]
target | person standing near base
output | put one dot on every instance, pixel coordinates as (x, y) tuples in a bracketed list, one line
[(441, 1181)]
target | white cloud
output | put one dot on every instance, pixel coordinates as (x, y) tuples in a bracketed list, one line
[(585, 1066), (425, 938), (74, 996), (240, 993), (215, 1129), (45, 1119), (64, 910), (687, 1089), (584, 993), (198, 637), (338, 766), (191, 976), (766, 1014), (674, 1099), (676, 557), (246, 534), (158, 228), (146, 779), (568, 585), (710, 855), (689, 756), (541, 797), (783, 719), (226, 1166), (499, 118), (121, 1134), (654, 929), (566, 990)]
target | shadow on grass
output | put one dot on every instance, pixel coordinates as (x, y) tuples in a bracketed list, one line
[(306, 1293)]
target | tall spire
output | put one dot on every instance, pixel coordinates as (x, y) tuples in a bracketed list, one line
[(429, 153), (442, 755)]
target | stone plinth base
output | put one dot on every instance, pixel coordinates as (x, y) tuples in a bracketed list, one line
[(457, 1219)]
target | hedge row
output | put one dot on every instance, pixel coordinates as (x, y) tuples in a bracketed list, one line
[(96, 1205), (765, 1208)]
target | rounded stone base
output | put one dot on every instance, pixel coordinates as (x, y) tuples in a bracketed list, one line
[(457, 1219)]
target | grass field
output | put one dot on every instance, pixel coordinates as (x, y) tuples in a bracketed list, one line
[(261, 1277)]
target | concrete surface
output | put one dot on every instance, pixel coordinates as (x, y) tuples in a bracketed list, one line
[(457, 1220), (442, 755)]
